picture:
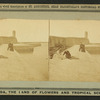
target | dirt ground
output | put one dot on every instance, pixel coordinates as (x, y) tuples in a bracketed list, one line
[(85, 68), (24, 67)]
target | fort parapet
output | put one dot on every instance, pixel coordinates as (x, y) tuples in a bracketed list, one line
[(56, 42), (8, 39), (68, 41), (19, 47)]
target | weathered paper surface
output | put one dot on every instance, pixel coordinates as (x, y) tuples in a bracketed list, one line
[(49, 49)]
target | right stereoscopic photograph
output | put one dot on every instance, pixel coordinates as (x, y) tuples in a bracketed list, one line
[(74, 50)]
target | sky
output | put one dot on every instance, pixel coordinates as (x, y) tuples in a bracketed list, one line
[(26, 30), (76, 28), (38, 30)]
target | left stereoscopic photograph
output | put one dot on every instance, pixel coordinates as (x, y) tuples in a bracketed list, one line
[(23, 50)]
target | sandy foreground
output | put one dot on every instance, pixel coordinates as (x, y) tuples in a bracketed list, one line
[(85, 67), (24, 67)]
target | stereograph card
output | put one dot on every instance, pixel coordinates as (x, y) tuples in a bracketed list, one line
[(49, 49)]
